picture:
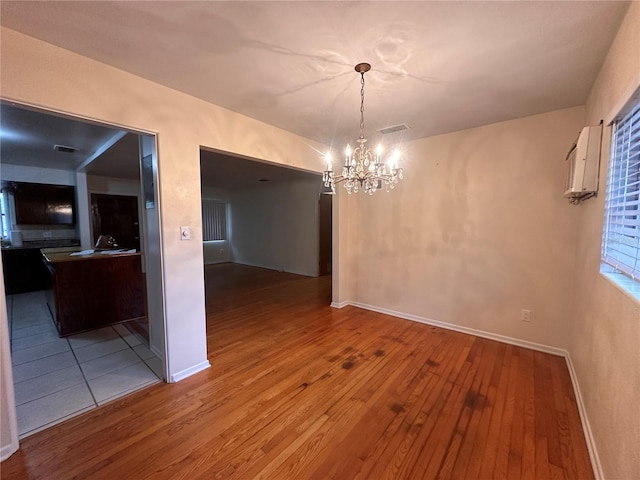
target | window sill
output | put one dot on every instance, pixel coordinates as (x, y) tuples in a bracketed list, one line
[(628, 286)]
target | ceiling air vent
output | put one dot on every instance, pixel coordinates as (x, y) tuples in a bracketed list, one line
[(393, 129), (64, 149)]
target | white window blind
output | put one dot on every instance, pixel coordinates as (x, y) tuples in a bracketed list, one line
[(214, 220), (621, 242)]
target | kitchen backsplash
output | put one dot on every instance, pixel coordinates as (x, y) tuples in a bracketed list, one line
[(33, 233)]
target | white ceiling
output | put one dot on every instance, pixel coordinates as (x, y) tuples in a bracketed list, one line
[(437, 66), (28, 138)]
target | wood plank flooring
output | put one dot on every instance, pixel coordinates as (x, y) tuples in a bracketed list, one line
[(299, 390)]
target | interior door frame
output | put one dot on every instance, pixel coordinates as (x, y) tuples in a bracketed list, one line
[(155, 290)]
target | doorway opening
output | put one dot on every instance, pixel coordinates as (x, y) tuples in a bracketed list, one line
[(325, 253), (277, 224), (59, 373)]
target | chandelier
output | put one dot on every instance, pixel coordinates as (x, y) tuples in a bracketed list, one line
[(363, 168)]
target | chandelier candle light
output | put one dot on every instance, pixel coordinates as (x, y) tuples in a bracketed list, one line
[(362, 167)]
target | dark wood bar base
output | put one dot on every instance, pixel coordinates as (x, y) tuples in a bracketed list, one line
[(94, 291)]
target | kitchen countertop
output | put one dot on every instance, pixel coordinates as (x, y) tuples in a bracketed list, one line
[(28, 245), (57, 255), (93, 290)]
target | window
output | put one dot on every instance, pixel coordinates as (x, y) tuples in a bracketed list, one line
[(214, 220), (5, 219), (621, 236)]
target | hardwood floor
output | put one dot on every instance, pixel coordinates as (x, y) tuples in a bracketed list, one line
[(299, 390)]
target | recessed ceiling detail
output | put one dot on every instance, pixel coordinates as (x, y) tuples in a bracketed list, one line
[(228, 172)]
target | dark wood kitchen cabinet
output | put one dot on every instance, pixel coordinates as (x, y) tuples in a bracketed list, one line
[(94, 291), (42, 204), (24, 271), (116, 215)]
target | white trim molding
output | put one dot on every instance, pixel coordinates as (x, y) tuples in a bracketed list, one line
[(189, 371), (275, 269), (586, 427), (471, 331), (8, 399), (341, 304), (157, 352), (7, 450)]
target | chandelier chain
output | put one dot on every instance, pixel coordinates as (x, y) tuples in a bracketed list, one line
[(362, 105)]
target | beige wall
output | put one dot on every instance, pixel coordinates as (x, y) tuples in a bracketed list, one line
[(343, 244), (36, 73), (477, 231), (605, 323), (276, 226)]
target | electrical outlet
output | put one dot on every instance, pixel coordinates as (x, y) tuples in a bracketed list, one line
[(525, 315)]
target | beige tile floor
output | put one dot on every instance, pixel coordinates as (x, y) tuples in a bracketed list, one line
[(57, 378)]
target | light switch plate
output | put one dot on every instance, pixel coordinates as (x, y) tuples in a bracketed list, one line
[(185, 233)]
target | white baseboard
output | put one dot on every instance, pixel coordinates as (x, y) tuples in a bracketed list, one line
[(216, 262), (340, 305), (189, 371), (250, 264), (591, 444), (471, 331), (276, 269), (156, 351), (588, 434), (7, 450)]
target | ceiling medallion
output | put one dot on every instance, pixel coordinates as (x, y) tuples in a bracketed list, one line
[(363, 168)]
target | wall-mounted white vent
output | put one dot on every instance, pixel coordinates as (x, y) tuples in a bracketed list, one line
[(583, 161)]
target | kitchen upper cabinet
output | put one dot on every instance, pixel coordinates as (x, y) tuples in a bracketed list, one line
[(43, 204)]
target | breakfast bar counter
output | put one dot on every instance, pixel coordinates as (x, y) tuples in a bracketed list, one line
[(94, 289)]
